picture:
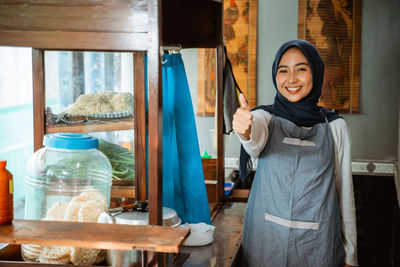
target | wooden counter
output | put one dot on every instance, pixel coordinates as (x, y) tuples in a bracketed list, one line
[(228, 233), (228, 236)]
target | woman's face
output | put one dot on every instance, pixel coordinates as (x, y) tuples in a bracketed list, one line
[(294, 77)]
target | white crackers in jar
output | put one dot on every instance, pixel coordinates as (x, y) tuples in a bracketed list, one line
[(57, 211), (95, 196), (86, 207), (72, 211), (90, 211)]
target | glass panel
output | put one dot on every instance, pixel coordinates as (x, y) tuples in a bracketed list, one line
[(16, 117), (118, 147), (92, 92), (72, 74)]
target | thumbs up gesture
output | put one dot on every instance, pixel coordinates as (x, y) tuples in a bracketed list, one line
[(242, 119)]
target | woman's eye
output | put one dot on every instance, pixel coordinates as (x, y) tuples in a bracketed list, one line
[(282, 71), (302, 69)]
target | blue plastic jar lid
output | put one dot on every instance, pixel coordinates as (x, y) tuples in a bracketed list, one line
[(70, 141)]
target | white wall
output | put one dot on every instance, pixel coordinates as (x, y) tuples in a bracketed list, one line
[(375, 129)]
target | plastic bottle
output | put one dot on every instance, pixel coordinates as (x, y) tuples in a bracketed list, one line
[(6, 194)]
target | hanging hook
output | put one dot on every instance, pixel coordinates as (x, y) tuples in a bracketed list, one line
[(171, 49)]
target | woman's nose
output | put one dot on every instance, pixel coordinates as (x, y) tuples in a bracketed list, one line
[(292, 77)]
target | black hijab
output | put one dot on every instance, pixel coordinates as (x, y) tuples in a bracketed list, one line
[(305, 112)]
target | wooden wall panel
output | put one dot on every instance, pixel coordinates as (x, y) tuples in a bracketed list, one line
[(74, 24), (124, 16)]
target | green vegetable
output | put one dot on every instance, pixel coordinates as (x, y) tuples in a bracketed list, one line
[(122, 160)]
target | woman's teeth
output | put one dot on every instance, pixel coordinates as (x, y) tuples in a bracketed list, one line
[(293, 89)]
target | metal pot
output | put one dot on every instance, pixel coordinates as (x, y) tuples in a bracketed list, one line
[(134, 217), (137, 216)]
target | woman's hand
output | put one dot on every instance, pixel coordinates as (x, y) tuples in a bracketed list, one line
[(242, 119)]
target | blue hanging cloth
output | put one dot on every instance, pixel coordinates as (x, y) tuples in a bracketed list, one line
[(183, 178)]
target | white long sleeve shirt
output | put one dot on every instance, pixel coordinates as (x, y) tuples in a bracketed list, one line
[(343, 176)]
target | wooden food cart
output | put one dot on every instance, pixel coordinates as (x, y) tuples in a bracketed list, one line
[(144, 27)]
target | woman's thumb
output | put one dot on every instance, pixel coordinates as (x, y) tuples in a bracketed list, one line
[(243, 101)]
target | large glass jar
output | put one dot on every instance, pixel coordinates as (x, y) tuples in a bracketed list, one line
[(67, 166), (67, 180)]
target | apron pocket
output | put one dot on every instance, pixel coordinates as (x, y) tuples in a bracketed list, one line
[(292, 224)]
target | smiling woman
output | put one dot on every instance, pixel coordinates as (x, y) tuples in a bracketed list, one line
[(293, 215)]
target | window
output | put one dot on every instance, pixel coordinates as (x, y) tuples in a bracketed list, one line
[(16, 116)]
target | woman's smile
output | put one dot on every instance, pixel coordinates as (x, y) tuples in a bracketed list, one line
[(293, 90)]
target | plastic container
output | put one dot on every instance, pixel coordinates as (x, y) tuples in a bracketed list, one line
[(228, 188), (201, 234), (6, 194), (67, 180)]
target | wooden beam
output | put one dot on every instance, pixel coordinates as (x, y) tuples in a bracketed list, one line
[(113, 25), (140, 126), (220, 125), (120, 16), (39, 101), (102, 125), (155, 114), (87, 41)]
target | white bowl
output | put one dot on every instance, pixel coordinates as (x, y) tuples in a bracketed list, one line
[(201, 234)]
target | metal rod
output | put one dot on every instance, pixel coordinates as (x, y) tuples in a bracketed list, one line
[(177, 47)]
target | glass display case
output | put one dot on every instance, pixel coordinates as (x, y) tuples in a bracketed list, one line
[(93, 92)]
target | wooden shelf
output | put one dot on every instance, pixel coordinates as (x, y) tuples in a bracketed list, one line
[(94, 235), (238, 195), (101, 125), (123, 191)]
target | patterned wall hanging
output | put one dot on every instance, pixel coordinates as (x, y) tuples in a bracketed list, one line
[(240, 31), (334, 27)]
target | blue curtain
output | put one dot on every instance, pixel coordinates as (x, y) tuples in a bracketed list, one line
[(183, 179)]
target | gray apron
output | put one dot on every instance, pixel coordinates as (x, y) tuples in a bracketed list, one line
[(292, 216)]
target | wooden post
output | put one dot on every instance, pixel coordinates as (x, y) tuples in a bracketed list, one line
[(39, 101), (155, 116), (220, 110), (155, 113), (140, 127)]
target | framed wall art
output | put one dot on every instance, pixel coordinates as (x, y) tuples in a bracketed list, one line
[(334, 27), (240, 33)]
